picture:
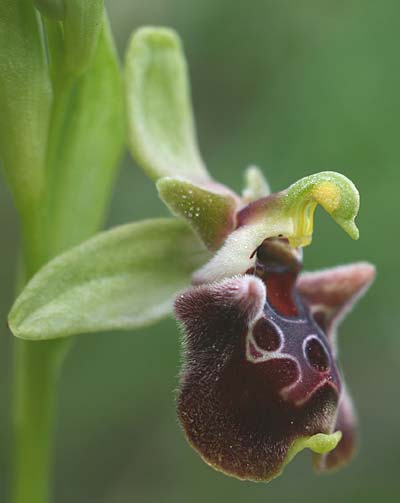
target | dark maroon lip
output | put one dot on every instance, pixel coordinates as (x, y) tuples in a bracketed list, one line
[(260, 368)]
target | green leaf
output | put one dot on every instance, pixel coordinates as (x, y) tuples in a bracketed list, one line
[(82, 26), (85, 144), (161, 131), (53, 9), (123, 278), (25, 101), (210, 213)]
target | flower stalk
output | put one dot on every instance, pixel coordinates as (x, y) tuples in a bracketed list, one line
[(36, 371)]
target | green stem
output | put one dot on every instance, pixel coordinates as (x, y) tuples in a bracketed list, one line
[(37, 365), (37, 368)]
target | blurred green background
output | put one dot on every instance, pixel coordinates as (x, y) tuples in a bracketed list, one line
[(294, 87)]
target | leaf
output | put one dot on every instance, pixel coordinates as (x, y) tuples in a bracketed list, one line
[(85, 145), (53, 9), (209, 212), (123, 278), (161, 131), (25, 101), (82, 26)]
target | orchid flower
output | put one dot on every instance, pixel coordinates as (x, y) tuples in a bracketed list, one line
[(260, 379)]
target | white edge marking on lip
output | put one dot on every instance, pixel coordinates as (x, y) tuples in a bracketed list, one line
[(272, 355), (278, 355), (267, 355)]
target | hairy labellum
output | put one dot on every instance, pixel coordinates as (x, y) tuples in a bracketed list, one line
[(260, 375)]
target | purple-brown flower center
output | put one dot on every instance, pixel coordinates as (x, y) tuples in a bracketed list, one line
[(287, 331)]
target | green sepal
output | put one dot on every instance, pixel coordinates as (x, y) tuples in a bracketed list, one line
[(123, 278), (211, 214), (334, 192), (83, 20), (161, 130), (53, 9)]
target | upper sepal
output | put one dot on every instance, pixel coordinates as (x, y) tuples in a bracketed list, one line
[(161, 130)]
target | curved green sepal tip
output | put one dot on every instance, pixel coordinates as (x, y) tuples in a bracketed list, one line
[(161, 130), (320, 443), (334, 192), (211, 214)]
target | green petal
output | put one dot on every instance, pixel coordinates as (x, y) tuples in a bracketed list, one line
[(210, 213), (256, 185), (123, 278), (161, 131)]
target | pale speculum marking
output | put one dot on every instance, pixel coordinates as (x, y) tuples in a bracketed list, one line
[(288, 331)]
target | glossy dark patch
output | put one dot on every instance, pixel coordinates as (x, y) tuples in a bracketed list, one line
[(316, 354), (266, 335)]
